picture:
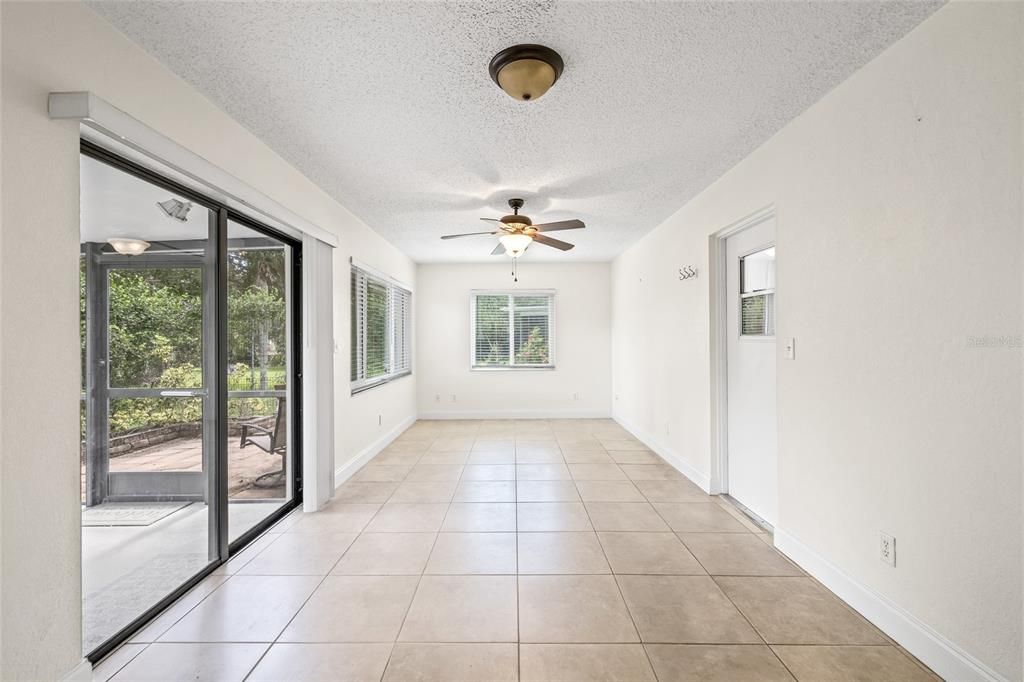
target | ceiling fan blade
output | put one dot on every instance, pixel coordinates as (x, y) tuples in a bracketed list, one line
[(499, 250), (560, 225), (493, 220), (466, 234), (556, 243)]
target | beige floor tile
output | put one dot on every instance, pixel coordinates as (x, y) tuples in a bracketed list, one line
[(573, 608), (649, 554), (495, 445), (596, 472), (411, 443), (651, 472), (353, 609), (622, 444), (492, 458), (485, 491), (365, 491), (174, 613), (625, 516), (717, 663), (337, 517), (386, 554), (671, 491), (246, 608), (434, 472), (397, 459), (300, 554), (110, 665), (584, 663), (424, 491), (535, 457), (397, 517), (453, 663), (480, 517), (381, 472), (698, 517), (609, 491), (737, 554), (452, 444), (587, 457), (798, 611), (463, 608), (579, 443), (489, 472), (546, 491), (556, 553), (684, 609), (552, 516), (542, 472), (444, 458), (203, 662), (635, 457), (250, 552), (322, 662), (473, 553), (851, 664)]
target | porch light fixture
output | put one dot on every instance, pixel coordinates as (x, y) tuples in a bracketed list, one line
[(526, 72), (515, 244), (175, 208), (127, 246)]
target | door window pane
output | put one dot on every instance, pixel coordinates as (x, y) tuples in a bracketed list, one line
[(757, 293)]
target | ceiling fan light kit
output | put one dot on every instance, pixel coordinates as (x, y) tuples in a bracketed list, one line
[(526, 72)]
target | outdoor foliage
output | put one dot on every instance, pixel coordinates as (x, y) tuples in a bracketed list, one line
[(155, 327)]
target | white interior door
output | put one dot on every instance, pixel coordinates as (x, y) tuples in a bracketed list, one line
[(751, 439)]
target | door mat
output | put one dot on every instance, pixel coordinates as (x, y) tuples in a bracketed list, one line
[(129, 513)]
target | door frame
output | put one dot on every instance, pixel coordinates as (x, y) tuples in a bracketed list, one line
[(719, 311)]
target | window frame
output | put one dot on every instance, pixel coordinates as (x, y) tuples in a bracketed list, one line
[(753, 294), (550, 294), (358, 331)]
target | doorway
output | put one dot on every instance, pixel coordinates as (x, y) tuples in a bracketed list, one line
[(190, 344), (746, 302)]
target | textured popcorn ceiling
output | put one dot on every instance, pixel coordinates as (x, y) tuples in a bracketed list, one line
[(389, 106)]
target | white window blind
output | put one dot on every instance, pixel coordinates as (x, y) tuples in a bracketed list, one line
[(757, 293), (381, 336), (512, 330)]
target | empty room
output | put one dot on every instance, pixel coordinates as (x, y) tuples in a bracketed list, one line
[(488, 341)]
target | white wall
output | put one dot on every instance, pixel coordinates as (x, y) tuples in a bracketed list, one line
[(899, 241), (582, 350), (65, 46)]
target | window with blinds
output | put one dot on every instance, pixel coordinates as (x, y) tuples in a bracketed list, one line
[(512, 330), (757, 293), (381, 330)]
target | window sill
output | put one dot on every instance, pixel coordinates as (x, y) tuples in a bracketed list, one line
[(520, 368), (381, 382)]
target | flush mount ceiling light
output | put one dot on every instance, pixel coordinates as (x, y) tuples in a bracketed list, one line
[(526, 72), (127, 246), (175, 208)]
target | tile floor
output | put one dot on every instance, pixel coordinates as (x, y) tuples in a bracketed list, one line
[(513, 550)]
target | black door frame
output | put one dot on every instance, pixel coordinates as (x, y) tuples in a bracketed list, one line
[(221, 549)]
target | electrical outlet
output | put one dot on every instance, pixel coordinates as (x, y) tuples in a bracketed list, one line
[(887, 549), (575, 396)]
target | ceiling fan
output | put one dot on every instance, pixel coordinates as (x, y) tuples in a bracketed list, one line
[(518, 232)]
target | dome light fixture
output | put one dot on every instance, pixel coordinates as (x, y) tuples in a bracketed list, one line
[(515, 244), (127, 246), (526, 72)]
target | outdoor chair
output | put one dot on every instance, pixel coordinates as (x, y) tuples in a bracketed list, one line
[(272, 441)]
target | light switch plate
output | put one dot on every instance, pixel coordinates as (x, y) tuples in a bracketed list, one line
[(790, 348)]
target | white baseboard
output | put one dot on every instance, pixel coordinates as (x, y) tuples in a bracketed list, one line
[(80, 673), (941, 655), (571, 413), (345, 471), (702, 480)]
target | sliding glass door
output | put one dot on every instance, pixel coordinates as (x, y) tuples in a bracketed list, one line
[(189, 390)]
